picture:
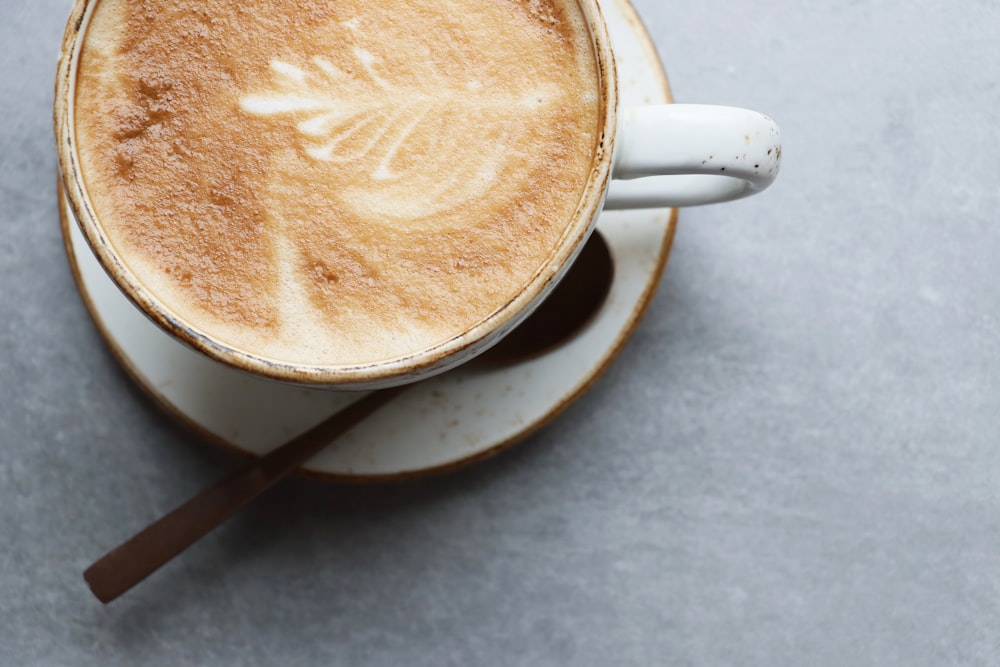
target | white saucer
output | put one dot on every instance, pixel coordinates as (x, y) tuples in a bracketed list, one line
[(447, 421)]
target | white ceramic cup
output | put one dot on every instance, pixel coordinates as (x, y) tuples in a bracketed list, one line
[(653, 156)]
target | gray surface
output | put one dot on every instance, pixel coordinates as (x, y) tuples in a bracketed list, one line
[(794, 462)]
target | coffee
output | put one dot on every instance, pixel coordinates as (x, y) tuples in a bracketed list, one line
[(341, 181)]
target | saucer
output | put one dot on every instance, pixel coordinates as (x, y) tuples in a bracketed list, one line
[(439, 424)]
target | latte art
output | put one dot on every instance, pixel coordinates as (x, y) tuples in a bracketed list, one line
[(336, 182), (365, 121)]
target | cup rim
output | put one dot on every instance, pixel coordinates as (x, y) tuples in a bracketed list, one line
[(410, 367)]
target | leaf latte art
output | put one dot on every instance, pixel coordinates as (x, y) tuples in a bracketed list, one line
[(366, 121)]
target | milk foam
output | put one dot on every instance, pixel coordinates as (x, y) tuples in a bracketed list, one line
[(336, 182)]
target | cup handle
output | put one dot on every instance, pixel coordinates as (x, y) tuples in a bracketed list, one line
[(691, 154)]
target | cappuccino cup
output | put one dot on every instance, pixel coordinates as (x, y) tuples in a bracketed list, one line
[(343, 195)]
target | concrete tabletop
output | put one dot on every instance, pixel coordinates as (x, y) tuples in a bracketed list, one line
[(795, 460)]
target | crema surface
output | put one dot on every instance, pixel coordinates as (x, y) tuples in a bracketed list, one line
[(341, 181)]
